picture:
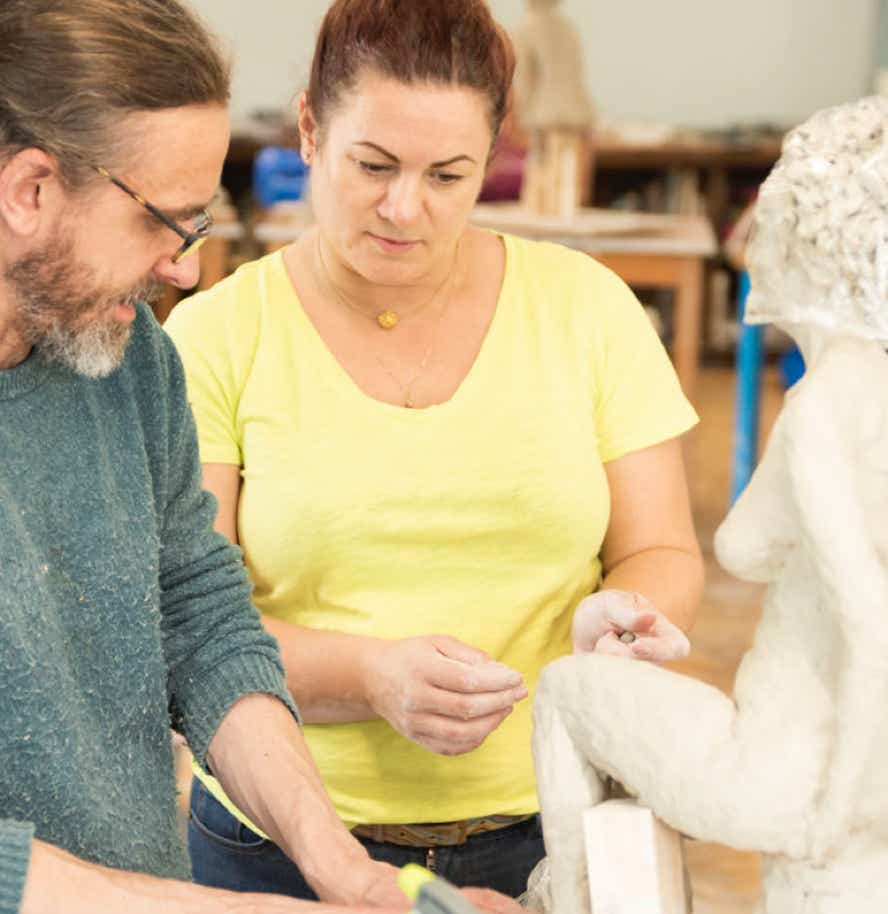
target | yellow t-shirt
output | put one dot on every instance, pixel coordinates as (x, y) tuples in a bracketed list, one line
[(481, 518)]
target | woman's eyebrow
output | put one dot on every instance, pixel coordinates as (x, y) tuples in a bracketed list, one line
[(394, 158)]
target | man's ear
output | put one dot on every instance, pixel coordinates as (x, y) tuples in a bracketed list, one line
[(31, 190), (308, 130)]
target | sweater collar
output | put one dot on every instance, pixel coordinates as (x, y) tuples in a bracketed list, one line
[(25, 377)]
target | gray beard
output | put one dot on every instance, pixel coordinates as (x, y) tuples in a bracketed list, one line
[(60, 311)]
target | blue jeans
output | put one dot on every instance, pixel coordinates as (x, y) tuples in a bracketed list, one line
[(226, 854)]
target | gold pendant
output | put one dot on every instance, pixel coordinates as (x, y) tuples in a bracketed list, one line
[(387, 319)]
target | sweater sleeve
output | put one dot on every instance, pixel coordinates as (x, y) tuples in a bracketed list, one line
[(15, 856), (215, 647)]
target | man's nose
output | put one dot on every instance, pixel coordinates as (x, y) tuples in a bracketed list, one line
[(182, 275)]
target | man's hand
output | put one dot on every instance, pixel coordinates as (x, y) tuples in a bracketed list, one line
[(494, 902), (364, 882), (602, 618), (372, 884), (439, 692)]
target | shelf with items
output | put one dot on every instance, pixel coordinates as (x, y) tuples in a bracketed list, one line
[(719, 165), (712, 174)]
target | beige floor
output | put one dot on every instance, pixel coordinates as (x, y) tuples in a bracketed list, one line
[(724, 881)]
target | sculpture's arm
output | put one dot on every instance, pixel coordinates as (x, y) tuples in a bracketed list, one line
[(753, 540)]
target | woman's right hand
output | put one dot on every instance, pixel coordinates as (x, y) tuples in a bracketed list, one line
[(601, 618), (440, 693)]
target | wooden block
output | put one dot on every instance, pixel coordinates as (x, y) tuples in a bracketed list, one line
[(634, 861)]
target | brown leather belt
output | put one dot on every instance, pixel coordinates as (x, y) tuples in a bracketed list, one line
[(436, 834)]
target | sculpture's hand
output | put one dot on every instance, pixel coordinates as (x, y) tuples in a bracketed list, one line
[(601, 619), (441, 693)]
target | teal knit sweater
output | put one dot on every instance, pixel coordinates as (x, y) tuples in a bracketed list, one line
[(121, 612)]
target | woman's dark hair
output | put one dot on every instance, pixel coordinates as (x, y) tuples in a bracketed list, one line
[(445, 42)]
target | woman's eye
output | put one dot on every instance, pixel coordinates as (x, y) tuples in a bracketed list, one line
[(446, 177), (375, 168)]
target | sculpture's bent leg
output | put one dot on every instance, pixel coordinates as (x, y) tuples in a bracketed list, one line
[(677, 744), (567, 784)]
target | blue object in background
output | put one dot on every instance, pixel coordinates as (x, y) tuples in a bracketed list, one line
[(792, 366), (278, 174), (749, 381)]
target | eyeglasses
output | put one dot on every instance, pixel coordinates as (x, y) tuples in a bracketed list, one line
[(191, 240)]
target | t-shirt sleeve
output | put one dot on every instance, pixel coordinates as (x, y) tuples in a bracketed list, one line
[(638, 399), (207, 333)]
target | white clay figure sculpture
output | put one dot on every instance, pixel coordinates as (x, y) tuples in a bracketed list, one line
[(794, 765)]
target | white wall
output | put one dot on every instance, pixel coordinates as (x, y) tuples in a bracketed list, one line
[(691, 62)]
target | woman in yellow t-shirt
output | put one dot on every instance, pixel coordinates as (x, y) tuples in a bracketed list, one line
[(449, 456)]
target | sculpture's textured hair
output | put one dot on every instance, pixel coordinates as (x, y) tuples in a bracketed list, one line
[(71, 70), (444, 42), (818, 252)]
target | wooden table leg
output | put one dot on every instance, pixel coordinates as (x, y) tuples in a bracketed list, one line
[(687, 321), (685, 276)]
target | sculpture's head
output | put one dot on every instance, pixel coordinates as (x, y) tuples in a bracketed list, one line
[(818, 251)]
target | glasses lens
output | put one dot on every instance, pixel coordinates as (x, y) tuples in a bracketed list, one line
[(203, 223)]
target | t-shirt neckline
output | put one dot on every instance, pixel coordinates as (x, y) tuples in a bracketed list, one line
[(342, 380)]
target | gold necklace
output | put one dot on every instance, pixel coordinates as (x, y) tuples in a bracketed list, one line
[(388, 318), (406, 389)]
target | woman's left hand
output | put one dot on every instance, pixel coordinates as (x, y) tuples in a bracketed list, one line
[(601, 619)]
